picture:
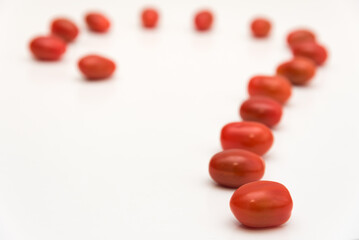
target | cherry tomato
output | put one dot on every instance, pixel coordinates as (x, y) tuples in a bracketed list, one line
[(65, 29), (149, 18), (251, 136), (95, 67), (299, 36), (47, 48), (97, 22), (299, 70), (235, 167), (275, 87), (260, 27), (203, 20), (311, 50), (262, 204), (261, 109)]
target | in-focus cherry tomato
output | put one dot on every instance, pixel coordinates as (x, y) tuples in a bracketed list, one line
[(311, 50), (203, 20), (299, 70), (149, 18), (260, 27), (262, 204), (65, 29), (275, 87), (261, 109), (235, 167), (251, 136), (96, 67), (97, 22), (299, 36), (47, 48)]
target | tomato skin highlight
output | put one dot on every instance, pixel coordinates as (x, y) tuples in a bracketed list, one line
[(311, 50), (299, 70), (65, 29), (262, 204), (47, 48), (97, 22), (261, 27), (276, 87), (96, 67), (149, 18), (235, 167), (251, 136), (203, 20), (300, 36), (261, 109)]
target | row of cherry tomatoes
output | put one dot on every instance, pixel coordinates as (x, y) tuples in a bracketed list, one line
[(258, 203), (240, 165)]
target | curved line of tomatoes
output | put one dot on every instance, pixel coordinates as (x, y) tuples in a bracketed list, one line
[(255, 203)]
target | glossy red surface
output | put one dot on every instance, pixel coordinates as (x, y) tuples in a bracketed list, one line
[(262, 204), (261, 27), (299, 70), (96, 67), (47, 48), (251, 136), (203, 20), (65, 29), (97, 22)]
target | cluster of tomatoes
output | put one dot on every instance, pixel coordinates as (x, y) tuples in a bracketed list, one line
[(51, 47), (256, 203)]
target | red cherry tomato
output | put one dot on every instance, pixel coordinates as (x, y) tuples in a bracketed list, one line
[(235, 167), (149, 18), (47, 48), (262, 204), (95, 67), (261, 109), (275, 87), (65, 29), (251, 136), (311, 50), (299, 36), (203, 20), (260, 27), (97, 22), (299, 70)]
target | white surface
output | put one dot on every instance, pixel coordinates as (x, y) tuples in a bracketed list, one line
[(127, 158)]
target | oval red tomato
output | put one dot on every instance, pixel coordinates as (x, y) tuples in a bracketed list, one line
[(300, 36), (262, 204), (261, 109), (275, 87), (149, 18), (96, 67), (251, 136), (299, 70), (97, 22), (65, 29), (203, 20), (311, 50), (235, 167), (260, 27), (47, 48)]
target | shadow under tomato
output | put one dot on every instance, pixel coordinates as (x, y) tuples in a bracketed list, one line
[(220, 187), (246, 229)]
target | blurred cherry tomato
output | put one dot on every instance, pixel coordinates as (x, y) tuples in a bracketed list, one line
[(299, 36), (311, 50), (235, 167), (260, 27), (261, 109), (97, 22), (149, 18), (203, 20), (95, 67), (65, 29), (251, 136), (262, 204), (47, 48), (275, 87), (299, 70)]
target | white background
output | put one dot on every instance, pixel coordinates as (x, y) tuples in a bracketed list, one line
[(127, 158)]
